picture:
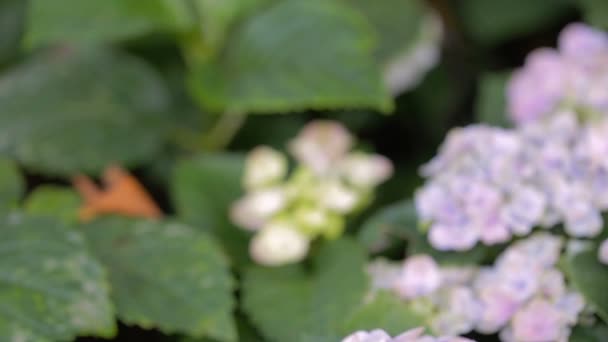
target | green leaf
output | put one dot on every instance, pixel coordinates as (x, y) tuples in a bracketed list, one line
[(596, 333), (67, 111), (400, 222), (495, 21), (274, 63), (166, 275), (589, 276), (409, 38), (291, 304), (12, 185), (12, 18), (101, 21), (203, 189), (55, 201), (491, 100), (218, 17), (51, 289), (386, 312), (595, 12)]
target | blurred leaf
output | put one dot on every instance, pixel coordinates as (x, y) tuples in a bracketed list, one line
[(166, 275), (589, 276), (596, 333), (12, 18), (491, 104), (51, 289), (400, 221), (218, 17), (409, 38), (274, 62), (595, 12), (203, 189), (68, 111), (290, 304), (386, 312), (12, 185), (55, 201), (101, 21), (495, 21)]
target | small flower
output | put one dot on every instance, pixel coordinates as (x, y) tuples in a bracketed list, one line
[(279, 244), (264, 167), (603, 252), (539, 321), (365, 170), (334, 195), (256, 208), (420, 275), (321, 144), (413, 335)]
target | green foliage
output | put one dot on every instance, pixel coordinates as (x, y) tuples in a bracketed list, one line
[(53, 201), (55, 120), (589, 276), (596, 333), (320, 300), (494, 21), (12, 13), (154, 266), (491, 101), (203, 190), (387, 311), (595, 11), (11, 185), (51, 289), (273, 62), (101, 21), (328, 301)]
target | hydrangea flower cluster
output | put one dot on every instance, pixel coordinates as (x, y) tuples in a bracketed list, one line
[(523, 295), (573, 76), (287, 211), (413, 335)]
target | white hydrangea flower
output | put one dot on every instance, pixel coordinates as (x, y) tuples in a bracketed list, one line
[(278, 244), (256, 208), (413, 335), (366, 170), (264, 166)]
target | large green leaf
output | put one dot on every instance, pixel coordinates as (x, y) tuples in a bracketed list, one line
[(409, 37), (590, 277), (51, 289), (291, 304), (399, 221), (166, 275), (495, 21), (100, 21), (12, 184), (70, 110), (55, 201), (203, 188), (294, 55)]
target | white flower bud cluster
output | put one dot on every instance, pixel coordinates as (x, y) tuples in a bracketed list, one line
[(413, 335), (523, 296), (288, 210)]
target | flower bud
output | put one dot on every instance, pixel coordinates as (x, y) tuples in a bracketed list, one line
[(256, 208), (264, 166), (279, 244), (365, 170), (419, 276), (321, 144)]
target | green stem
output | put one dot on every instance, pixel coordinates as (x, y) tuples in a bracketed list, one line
[(224, 130)]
